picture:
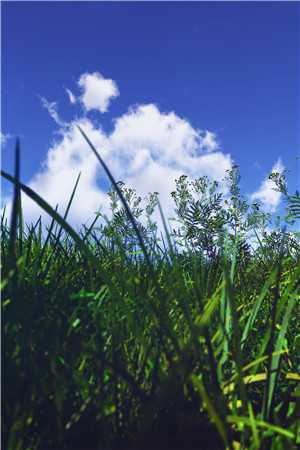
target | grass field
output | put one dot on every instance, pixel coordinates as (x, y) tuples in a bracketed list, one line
[(119, 337)]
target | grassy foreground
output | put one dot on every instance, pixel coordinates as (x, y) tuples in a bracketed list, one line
[(118, 338)]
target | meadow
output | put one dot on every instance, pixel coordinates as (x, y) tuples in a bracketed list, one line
[(123, 337)]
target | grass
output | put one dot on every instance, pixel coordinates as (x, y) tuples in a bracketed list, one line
[(114, 339)]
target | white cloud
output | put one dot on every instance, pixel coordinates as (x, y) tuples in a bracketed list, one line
[(97, 91), (147, 150), (71, 96), (209, 141), (55, 181), (51, 107), (4, 138), (150, 149), (267, 194)]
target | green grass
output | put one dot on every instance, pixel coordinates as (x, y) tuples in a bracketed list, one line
[(114, 339)]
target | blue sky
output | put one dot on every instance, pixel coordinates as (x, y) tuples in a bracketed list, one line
[(219, 79)]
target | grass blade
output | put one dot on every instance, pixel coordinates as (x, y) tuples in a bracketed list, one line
[(256, 307), (15, 207), (54, 214), (118, 190), (270, 382)]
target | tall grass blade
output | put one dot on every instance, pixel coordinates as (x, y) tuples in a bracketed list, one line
[(69, 204), (15, 208), (212, 411), (276, 356), (121, 196), (236, 334), (59, 233), (256, 307), (270, 382), (167, 233)]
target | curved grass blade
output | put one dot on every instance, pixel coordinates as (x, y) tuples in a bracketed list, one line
[(256, 307), (261, 424), (54, 214), (213, 413), (116, 187)]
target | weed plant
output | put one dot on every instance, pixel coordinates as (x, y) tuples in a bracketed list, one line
[(119, 337)]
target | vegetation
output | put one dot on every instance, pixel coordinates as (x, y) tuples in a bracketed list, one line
[(122, 337)]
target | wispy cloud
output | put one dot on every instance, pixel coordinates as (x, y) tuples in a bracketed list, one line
[(4, 138), (269, 197), (71, 96), (51, 107), (97, 91)]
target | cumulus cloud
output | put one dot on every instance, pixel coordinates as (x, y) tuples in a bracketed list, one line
[(97, 91), (269, 197), (71, 96), (57, 177), (147, 149)]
